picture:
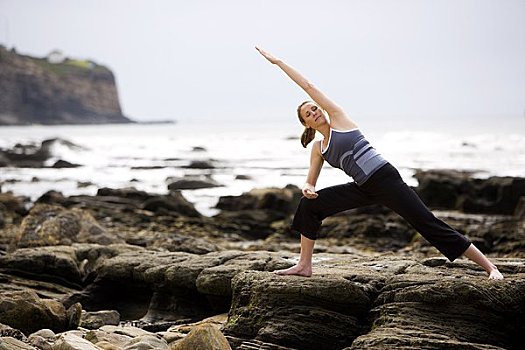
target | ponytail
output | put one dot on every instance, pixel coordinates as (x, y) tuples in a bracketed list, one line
[(308, 133), (307, 136)]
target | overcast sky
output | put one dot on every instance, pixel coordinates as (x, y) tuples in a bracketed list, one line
[(386, 59)]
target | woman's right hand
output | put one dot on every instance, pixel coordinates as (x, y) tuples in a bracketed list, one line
[(268, 56), (309, 191)]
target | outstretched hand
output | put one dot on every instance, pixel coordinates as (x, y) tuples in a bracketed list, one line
[(272, 59)]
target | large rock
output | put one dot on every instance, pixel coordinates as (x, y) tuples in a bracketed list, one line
[(192, 183), (442, 189), (148, 341), (97, 319), (325, 312), (168, 286), (258, 209), (57, 263), (69, 341), (203, 337), (25, 311), (283, 200), (54, 225), (417, 309), (380, 303), (9, 343)]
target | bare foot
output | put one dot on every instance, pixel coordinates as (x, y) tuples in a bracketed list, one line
[(495, 275), (298, 270)]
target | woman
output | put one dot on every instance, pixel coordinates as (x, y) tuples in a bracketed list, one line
[(376, 181)]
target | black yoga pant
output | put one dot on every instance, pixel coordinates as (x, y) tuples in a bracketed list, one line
[(385, 187)]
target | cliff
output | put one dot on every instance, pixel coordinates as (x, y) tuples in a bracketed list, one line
[(36, 91)]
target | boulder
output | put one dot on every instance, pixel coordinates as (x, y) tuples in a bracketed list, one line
[(57, 263), (446, 189), (43, 339), (172, 203), (25, 311), (203, 337), (54, 225), (9, 343), (68, 341), (59, 164), (192, 183), (97, 319), (200, 164), (97, 336), (283, 200), (147, 341)]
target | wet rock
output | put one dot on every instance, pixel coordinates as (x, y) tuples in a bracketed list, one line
[(12, 204), (121, 201), (443, 189), (84, 184), (193, 183), (52, 197), (283, 200), (258, 209), (25, 311), (59, 164), (97, 319), (128, 193), (200, 164), (54, 225), (31, 155), (174, 202), (58, 262), (203, 337)]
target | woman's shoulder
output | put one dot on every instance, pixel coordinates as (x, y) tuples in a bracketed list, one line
[(342, 122)]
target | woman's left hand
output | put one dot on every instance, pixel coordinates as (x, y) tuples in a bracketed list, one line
[(309, 191)]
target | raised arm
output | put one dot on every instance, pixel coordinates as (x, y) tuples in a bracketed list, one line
[(332, 108)]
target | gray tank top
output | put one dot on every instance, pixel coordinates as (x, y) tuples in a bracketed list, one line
[(352, 153)]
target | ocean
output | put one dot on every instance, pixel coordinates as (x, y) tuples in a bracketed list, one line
[(269, 154)]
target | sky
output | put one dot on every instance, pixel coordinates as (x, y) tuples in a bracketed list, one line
[(402, 60)]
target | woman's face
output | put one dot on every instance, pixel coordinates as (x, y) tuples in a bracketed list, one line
[(313, 115)]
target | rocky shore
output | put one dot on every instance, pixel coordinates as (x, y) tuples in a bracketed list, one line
[(127, 269)]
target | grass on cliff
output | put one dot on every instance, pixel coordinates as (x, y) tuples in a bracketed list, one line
[(72, 66)]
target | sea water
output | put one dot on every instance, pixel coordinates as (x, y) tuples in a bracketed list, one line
[(150, 156)]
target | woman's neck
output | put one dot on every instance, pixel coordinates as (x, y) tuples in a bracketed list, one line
[(325, 130)]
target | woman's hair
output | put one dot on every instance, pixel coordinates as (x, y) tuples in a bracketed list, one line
[(308, 133)]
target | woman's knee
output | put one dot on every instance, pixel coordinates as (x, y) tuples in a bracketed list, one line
[(308, 206)]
